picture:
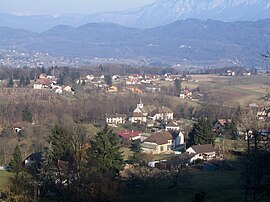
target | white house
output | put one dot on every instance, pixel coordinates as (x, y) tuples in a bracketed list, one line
[(161, 113), (178, 139), (204, 152), (116, 118), (69, 89), (172, 126), (90, 77), (142, 112), (182, 96)]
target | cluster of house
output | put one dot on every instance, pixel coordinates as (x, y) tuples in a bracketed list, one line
[(169, 142), (142, 114), (188, 94), (261, 112), (238, 72), (129, 83), (50, 83), (135, 79)]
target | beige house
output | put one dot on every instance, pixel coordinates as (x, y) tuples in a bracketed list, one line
[(157, 143), (113, 89), (162, 142)]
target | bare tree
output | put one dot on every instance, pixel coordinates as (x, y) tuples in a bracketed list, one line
[(176, 171), (141, 177)]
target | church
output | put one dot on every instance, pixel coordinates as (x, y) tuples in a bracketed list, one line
[(142, 113)]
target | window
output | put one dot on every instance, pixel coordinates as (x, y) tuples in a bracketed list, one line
[(161, 148)]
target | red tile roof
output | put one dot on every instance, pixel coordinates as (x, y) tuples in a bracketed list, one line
[(129, 134)]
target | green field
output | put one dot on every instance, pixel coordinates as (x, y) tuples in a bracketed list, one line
[(220, 186)]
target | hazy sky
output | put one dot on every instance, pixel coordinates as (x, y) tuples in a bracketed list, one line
[(55, 7)]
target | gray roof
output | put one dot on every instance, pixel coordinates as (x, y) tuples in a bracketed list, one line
[(205, 148), (172, 124), (159, 138)]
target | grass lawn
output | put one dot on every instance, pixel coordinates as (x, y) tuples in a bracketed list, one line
[(237, 145), (4, 175), (220, 186)]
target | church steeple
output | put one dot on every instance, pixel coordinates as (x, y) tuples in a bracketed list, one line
[(140, 105)]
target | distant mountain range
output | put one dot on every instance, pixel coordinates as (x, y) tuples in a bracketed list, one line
[(186, 41), (159, 13)]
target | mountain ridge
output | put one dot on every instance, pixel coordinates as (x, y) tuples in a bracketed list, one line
[(185, 41), (160, 12)]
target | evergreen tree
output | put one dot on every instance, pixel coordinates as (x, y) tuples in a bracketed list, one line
[(66, 71), (22, 81), (104, 153), (78, 75), (10, 83), (231, 130), (16, 161), (137, 156), (108, 80), (60, 143), (201, 133), (61, 79), (48, 165), (182, 111), (27, 115), (190, 112), (177, 87), (43, 70), (50, 71), (27, 81), (73, 76)]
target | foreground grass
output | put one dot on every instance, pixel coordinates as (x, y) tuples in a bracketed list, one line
[(4, 176), (220, 186)]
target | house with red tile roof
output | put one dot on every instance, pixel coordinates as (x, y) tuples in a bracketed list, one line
[(130, 135)]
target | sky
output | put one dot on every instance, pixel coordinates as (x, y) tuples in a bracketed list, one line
[(57, 7)]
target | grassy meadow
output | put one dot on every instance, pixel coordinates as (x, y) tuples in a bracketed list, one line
[(242, 90), (220, 186), (4, 176)]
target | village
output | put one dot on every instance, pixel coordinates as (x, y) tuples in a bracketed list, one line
[(162, 133), (163, 124)]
